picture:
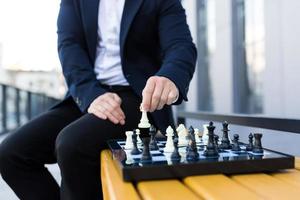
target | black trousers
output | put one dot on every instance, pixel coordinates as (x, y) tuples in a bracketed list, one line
[(72, 139)]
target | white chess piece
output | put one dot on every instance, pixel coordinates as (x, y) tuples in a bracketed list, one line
[(197, 138), (144, 122), (138, 132), (182, 133), (129, 159), (205, 134), (129, 143), (169, 148)]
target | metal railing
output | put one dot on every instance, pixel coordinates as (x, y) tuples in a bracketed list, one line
[(19, 106), (279, 124)]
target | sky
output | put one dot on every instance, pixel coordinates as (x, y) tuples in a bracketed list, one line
[(28, 34)]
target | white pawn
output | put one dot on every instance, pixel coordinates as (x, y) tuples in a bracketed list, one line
[(182, 133), (205, 134), (169, 148), (138, 132), (197, 138), (129, 143)]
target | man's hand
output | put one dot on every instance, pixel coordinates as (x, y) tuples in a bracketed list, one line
[(108, 106), (158, 92)]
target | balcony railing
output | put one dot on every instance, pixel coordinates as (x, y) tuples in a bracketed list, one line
[(19, 106), (278, 124)]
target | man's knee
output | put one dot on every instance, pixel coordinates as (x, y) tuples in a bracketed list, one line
[(66, 146)]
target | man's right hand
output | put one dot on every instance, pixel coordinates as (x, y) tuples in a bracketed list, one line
[(108, 106)]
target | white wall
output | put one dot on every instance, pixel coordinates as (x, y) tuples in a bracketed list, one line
[(281, 83), (221, 59), (191, 12)]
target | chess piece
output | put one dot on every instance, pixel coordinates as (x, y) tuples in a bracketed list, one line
[(153, 143), (225, 142), (216, 138), (175, 154), (210, 150), (169, 148), (128, 143), (192, 151), (205, 134), (138, 133), (182, 133), (135, 150), (197, 135), (144, 122), (146, 155), (249, 147), (236, 145), (257, 147)]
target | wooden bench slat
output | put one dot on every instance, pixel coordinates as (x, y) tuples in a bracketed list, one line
[(114, 187), (165, 190), (214, 187), (289, 176), (268, 186)]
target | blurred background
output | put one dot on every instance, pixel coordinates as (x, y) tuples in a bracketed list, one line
[(248, 63)]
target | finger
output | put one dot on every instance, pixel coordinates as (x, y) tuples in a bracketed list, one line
[(117, 99), (164, 98), (97, 113), (147, 94), (111, 111), (156, 96), (171, 98), (111, 118), (116, 107)]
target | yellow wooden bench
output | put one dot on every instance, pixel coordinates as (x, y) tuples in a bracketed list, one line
[(283, 185)]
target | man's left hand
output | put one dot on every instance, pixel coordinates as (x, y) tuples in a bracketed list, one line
[(158, 92)]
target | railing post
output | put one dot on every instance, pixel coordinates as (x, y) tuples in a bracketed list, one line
[(4, 108), (28, 106), (17, 105)]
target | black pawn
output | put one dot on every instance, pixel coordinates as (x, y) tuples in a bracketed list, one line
[(225, 142), (257, 147), (193, 144), (153, 143), (236, 145), (135, 150), (216, 138), (249, 147), (211, 150), (175, 154), (146, 155)]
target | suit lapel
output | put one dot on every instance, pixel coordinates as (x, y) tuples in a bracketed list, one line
[(90, 23), (131, 7)]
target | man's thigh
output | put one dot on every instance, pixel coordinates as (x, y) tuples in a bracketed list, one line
[(89, 134), (36, 140)]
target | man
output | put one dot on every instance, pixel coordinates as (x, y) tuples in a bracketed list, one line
[(116, 56)]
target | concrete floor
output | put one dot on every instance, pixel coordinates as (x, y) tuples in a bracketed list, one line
[(7, 194)]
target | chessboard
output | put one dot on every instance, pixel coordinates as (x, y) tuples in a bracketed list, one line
[(238, 158)]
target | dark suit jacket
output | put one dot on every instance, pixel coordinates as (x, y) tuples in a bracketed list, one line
[(154, 39)]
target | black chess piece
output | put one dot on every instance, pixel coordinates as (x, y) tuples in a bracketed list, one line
[(146, 155), (211, 150), (257, 147), (135, 150), (236, 145), (192, 151), (225, 142), (249, 147), (216, 138), (175, 154), (153, 143), (191, 132)]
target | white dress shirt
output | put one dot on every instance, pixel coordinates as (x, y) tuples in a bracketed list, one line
[(108, 67)]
